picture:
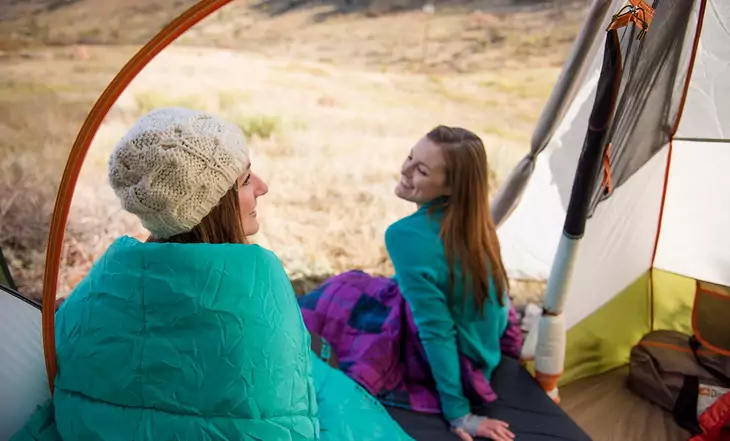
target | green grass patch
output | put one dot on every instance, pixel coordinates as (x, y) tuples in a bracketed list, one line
[(148, 101), (259, 126), (229, 99)]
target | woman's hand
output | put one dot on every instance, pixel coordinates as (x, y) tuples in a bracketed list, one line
[(489, 428)]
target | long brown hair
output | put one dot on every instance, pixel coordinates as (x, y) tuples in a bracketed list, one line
[(467, 229), (221, 225)]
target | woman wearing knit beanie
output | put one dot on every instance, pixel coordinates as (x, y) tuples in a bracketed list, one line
[(193, 334)]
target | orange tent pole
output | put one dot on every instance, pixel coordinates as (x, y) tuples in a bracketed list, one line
[(91, 125)]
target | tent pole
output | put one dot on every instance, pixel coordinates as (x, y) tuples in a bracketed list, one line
[(551, 337)]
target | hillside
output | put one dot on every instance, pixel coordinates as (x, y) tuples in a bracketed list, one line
[(462, 36), (32, 23)]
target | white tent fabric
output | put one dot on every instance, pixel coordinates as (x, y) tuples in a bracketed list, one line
[(619, 241), (707, 108), (23, 382), (694, 239), (530, 236)]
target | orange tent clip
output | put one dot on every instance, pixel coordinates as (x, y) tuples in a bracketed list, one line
[(636, 12), (607, 183)]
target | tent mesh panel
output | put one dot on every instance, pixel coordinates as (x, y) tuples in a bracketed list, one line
[(652, 86)]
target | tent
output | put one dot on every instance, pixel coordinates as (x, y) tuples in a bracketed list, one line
[(22, 371), (618, 205)]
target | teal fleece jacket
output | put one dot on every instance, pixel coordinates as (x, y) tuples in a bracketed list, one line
[(422, 273)]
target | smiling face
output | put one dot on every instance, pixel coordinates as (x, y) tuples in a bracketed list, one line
[(423, 174), (250, 187)]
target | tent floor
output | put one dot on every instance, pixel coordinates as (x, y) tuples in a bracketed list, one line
[(607, 410)]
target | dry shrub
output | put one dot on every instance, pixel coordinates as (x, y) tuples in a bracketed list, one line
[(36, 135)]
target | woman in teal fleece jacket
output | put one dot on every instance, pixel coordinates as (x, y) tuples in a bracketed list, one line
[(448, 267), (194, 334)]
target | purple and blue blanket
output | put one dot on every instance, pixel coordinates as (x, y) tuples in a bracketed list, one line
[(371, 330)]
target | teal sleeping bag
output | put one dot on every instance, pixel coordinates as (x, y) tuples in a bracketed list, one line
[(194, 342), (348, 412), (184, 342)]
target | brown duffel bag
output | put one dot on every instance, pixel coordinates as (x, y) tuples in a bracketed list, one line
[(676, 372)]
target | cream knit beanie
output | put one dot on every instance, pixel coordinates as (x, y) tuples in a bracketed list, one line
[(174, 165)]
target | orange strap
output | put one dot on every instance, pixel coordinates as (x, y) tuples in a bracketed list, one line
[(703, 288), (125, 76), (607, 183), (636, 12)]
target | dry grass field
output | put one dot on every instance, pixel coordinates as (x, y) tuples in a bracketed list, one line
[(331, 107)]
